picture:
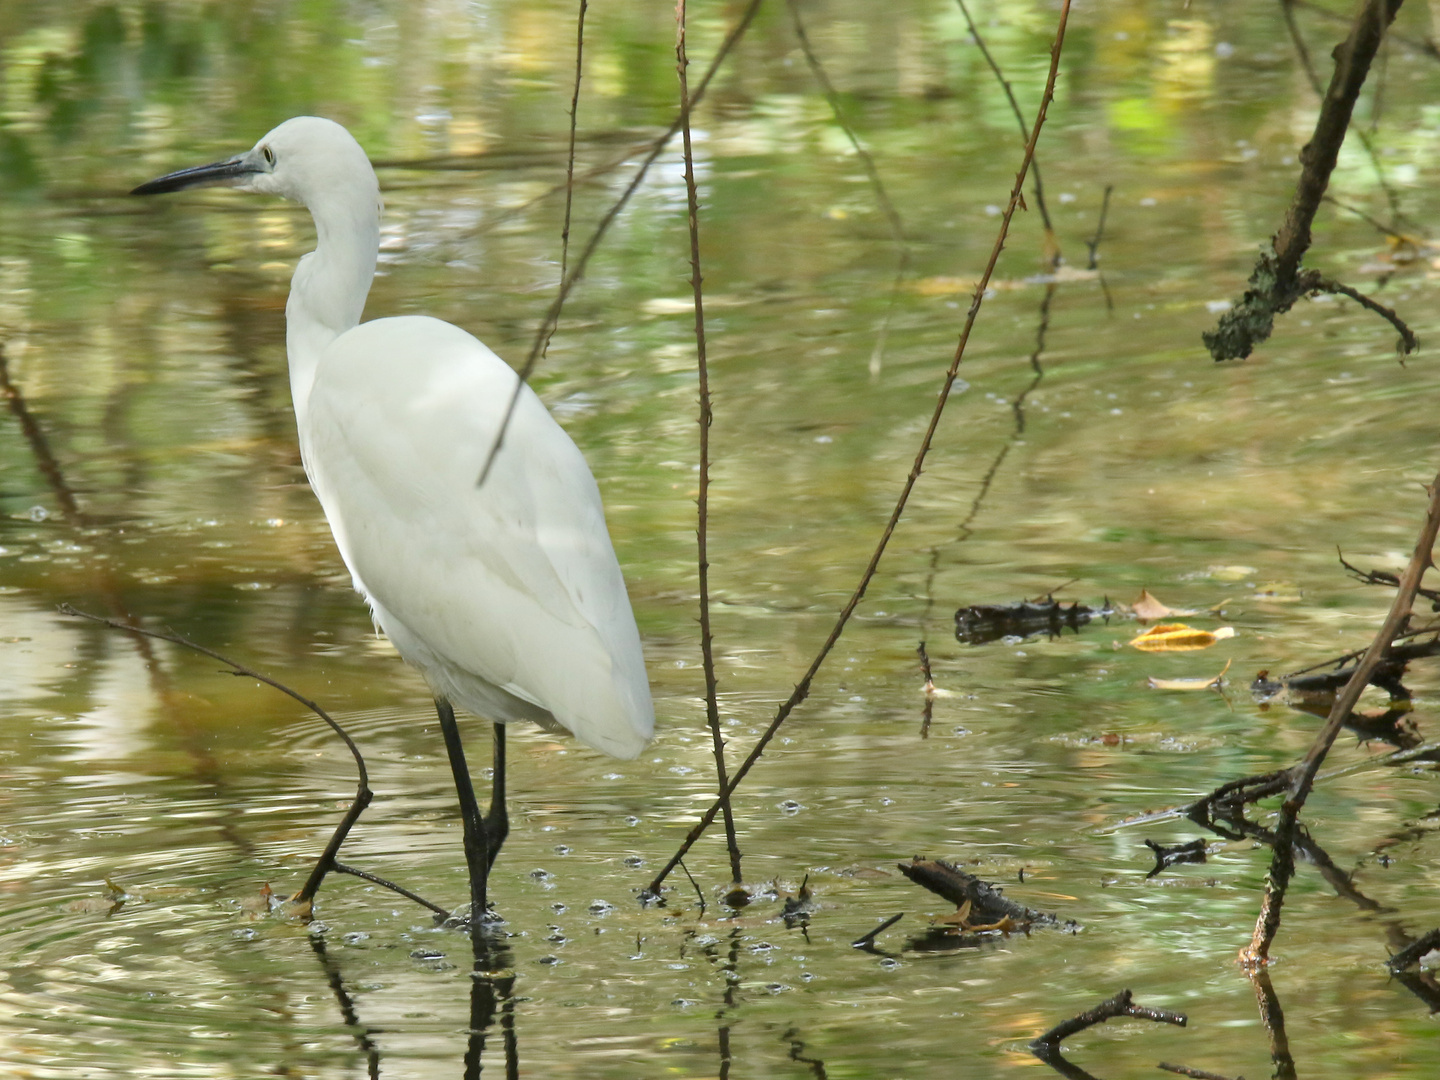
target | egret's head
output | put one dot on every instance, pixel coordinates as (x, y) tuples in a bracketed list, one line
[(307, 158)]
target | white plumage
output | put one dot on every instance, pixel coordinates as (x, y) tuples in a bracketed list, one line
[(505, 595)]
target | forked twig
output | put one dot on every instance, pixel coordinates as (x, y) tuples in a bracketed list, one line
[(1302, 777), (802, 689), (707, 641), (1122, 1004), (1278, 280), (363, 794)]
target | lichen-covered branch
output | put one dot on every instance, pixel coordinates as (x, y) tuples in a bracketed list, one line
[(1278, 280)]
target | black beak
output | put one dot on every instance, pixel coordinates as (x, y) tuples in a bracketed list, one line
[(219, 173)]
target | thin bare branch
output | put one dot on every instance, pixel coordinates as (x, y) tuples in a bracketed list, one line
[(552, 316), (1122, 1004), (40, 447), (707, 642), (363, 794), (570, 161), (1052, 243), (802, 689)]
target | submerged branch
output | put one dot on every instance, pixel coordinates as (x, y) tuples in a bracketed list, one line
[(1122, 1004), (1053, 257), (1302, 778)]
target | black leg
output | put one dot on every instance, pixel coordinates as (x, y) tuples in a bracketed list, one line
[(477, 844), (497, 821)]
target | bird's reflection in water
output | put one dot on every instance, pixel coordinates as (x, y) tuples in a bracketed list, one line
[(492, 982), (492, 985)]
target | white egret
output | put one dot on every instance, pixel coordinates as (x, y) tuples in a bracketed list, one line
[(506, 595)]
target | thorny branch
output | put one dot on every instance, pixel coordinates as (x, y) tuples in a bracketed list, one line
[(1278, 281), (802, 688), (1053, 256), (707, 642)]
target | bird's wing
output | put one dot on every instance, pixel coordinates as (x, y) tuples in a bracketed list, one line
[(514, 581)]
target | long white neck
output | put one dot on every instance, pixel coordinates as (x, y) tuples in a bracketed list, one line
[(327, 293)]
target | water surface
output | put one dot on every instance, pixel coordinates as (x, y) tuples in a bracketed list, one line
[(147, 340)]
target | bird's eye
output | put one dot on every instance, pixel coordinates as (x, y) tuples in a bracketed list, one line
[(268, 155)]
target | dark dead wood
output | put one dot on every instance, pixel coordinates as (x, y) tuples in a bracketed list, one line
[(1169, 855), (866, 939), (988, 903), (1278, 281), (1237, 793), (1122, 1004), (979, 624), (1282, 864), (1412, 953), (1423, 985), (1198, 1074)]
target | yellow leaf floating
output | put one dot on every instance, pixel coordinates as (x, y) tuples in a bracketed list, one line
[(1177, 637), (1214, 682)]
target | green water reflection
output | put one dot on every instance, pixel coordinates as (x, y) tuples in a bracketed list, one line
[(147, 341)]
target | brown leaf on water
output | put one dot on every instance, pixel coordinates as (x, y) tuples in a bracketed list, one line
[(1177, 637), (1202, 683), (1148, 609)]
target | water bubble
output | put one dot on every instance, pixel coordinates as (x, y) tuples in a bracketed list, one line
[(601, 907), (355, 937), (790, 806)]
